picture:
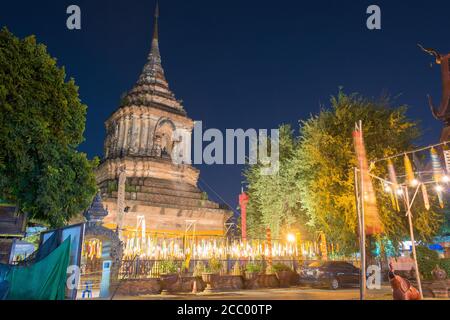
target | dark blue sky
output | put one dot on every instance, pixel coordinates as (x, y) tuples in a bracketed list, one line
[(243, 64)]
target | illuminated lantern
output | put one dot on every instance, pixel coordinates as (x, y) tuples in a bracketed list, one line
[(437, 174)]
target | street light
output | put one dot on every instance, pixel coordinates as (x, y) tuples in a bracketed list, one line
[(291, 238), (414, 183)]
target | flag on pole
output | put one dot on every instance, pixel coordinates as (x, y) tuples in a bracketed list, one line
[(393, 179), (426, 201), (372, 220), (409, 171), (419, 167)]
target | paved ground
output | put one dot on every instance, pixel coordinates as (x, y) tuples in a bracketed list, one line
[(293, 293)]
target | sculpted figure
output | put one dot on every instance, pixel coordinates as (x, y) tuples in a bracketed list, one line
[(443, 111), (401, 288)]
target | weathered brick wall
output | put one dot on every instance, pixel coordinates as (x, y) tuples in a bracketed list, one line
[(136, 287), (263, 281)]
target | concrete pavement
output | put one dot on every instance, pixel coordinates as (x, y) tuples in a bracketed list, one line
[(293, 293)]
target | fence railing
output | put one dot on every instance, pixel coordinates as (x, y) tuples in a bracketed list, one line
[(143, 268)]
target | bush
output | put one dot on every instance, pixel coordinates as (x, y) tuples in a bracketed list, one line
[(168, 266), (214, 266), (278, 267), (253, 267), (427, 260), (445, 264), (199, 269)]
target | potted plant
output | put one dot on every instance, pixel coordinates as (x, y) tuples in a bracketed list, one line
[(283, 273), (199, 269), (168, 275), (252, 269), (211, 273)]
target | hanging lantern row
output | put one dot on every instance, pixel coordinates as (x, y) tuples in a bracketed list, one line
[(439, 178)]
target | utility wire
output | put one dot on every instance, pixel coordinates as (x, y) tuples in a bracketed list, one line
[(409, 152), (221, 199)]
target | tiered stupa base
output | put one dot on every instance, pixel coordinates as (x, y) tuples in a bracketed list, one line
[(168, 205)]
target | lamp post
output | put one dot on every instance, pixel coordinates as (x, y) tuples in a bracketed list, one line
[(408, 205)]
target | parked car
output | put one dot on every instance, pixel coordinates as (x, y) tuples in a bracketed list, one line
[(331, 274)]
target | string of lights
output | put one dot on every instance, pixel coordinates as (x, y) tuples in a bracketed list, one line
[(410, 152)]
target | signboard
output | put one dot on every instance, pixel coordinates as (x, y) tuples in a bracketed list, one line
[(76, 233)]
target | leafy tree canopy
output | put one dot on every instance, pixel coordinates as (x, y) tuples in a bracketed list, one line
[(315, 184), (43, 122)]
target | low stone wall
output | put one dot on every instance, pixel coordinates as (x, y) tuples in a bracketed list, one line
[(436, 288), (225, 282), (184, 284), (262, 281), (229, 282), (136, 287)]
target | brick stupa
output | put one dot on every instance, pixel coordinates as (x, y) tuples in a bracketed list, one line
[(139, 140)]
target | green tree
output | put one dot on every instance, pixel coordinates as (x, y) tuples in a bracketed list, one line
[(274, 200), (314, 188), (43, 122), (325, 160)]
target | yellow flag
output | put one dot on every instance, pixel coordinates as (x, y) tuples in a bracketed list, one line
[(409, 170)]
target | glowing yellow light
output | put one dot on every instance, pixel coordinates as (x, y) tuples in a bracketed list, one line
[(445, 179), (414, 182), (291, 237), (399, 192), (439, 188)]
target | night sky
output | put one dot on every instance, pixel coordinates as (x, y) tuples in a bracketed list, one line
[(243, 64)]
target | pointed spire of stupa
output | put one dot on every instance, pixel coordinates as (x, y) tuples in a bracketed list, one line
[(153, 71), (155, 24), (152, 87)]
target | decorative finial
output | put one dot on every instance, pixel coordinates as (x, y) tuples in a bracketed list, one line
[(155, 27), (431, 52)]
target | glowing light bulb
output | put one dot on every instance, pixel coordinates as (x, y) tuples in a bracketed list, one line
[(291, 237), (387, 188), (399, 192), (438, 188), (414, 182), (445, 179)]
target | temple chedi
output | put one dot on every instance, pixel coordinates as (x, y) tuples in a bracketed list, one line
[(137, 177)]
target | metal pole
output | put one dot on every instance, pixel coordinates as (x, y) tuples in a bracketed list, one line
[(358, 202), (363, 231), (411, 232)]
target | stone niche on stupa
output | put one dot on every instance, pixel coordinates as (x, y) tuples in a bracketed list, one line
[(139, 141)]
